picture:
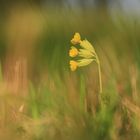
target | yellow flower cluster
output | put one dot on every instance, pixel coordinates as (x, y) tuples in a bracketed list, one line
[(87, 52)]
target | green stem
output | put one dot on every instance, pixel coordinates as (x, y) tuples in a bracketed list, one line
[(100, 80), (99, 71)]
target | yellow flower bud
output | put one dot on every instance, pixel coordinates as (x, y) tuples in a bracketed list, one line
[(73, 65), (76, 39), (73, 52)]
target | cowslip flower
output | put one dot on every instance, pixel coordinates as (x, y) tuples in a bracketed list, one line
[(73, 65), (79, 63), (76, 39), (73, 52), (86, 55)]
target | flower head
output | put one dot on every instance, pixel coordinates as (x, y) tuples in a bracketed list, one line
[(73, 65), (73, 52), (76, 39), (86, 54)]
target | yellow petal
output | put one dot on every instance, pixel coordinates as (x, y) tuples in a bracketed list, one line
[(76, 39), (73, 65), (73, 52)]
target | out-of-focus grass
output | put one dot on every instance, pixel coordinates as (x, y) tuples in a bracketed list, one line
[(64, 105)]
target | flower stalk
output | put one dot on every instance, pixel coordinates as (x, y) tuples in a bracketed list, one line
[(86, 55)]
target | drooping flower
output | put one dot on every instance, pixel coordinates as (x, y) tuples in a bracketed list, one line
[(76, 39), (85, 53), (79, 63), (84, 62), (73, 65), (73, 52)]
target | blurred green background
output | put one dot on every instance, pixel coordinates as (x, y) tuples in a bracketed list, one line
[(40, 98)]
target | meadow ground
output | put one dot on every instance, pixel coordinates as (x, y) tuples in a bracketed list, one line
[(42, 99)]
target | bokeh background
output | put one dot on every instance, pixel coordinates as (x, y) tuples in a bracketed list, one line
[(40, 98)]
